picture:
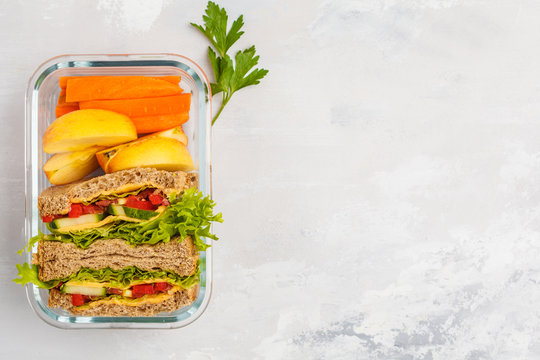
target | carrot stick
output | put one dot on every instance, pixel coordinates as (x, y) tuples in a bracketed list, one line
[(153, 123), (118, 87), (62, 101), (64, 79), (62, 110), (175, 80), (143, 107), (64, 107), (63, 91)]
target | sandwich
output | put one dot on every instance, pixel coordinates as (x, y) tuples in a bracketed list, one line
[(121, 244)]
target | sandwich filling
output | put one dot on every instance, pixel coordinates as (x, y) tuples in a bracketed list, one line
[(188, 214), (83, 302), (86, 294), (135, 206), (88, 286)]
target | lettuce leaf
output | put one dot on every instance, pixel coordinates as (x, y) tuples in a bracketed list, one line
[(29, 274), (190, 214), (33, 240)]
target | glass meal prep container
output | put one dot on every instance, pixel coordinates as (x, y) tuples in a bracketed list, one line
[(41, 99)]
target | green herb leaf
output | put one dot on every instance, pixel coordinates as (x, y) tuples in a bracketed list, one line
[(245, 61), (215, 28), (229, 76), (235, 33)]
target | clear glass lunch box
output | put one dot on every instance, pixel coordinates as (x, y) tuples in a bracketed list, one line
[(41, 99)]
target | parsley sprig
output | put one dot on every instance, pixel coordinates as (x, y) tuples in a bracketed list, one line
[(230, 76)]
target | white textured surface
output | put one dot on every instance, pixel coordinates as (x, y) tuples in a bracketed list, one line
[(380, 188)]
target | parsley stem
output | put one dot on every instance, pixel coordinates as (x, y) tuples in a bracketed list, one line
[(226, 99)]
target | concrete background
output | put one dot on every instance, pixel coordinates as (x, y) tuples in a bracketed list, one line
[(379, 188)]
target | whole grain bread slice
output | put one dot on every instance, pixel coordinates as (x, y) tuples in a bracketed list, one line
[(56, 200), (178, 300), (58, 260)]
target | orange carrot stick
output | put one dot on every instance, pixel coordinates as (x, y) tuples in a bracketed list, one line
[(118, 87), (175, 80), (62, 110), (171, 78), (62, 101), (149, 124), (143, 107)]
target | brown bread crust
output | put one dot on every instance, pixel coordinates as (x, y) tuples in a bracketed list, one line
[(58, 260), (178, 300), (56, 200)]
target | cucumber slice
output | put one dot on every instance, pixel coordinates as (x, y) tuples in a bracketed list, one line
[(131, 212), (139, 214), (116, 210), (83, 219), (84, 290)]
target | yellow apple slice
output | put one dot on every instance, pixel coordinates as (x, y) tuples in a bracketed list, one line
[(67, 167), (105, 156), (81, 129), (158, 152), (174, 133)]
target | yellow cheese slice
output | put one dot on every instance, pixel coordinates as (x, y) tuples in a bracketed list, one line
[(146, 299), (120, 190), (93, 284)]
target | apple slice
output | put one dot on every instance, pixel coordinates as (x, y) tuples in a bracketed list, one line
[(67, 167), (158, 152), (81, 129), (174, 133), (104, 157)]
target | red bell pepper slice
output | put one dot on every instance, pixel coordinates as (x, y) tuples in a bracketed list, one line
[(76, 210), (155, 199), (161, 286), (135, 203), (91, 209), (140, 290), (77, 299)]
